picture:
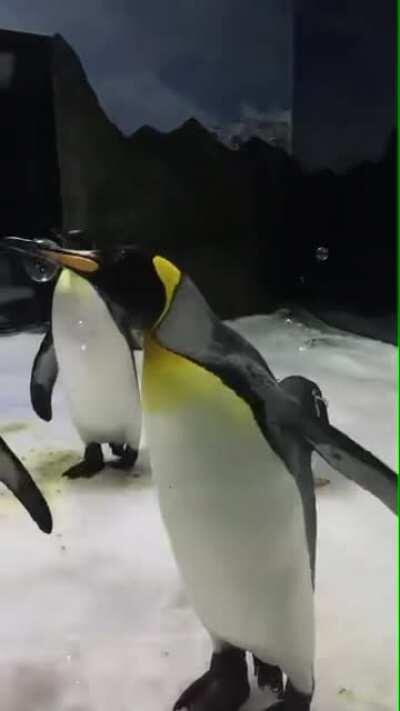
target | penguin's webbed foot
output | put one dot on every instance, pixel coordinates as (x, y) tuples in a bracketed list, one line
[(223, 688), (293, 700), (270, 676), (91, 465), (127, 456), (117, 449)]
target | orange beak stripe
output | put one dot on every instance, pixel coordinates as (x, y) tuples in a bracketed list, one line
[(73, 261)]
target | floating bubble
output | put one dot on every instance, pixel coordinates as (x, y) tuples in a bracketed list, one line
[(321, 254), (40, 270)]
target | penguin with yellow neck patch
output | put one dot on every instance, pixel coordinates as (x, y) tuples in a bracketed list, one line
[(230, 449), (93, 351)]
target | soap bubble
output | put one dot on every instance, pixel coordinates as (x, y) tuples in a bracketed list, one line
[(321, 254), (40, 270)]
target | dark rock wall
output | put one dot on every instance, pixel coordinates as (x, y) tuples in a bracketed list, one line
[(30, 200), (245, 224), (353, 216), (182, 193), (344, 81)]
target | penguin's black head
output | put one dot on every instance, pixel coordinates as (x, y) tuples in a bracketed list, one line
[(127, 278)]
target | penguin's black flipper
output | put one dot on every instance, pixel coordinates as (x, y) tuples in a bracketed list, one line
[(43, 377), (309, 395), (340, 451), (353, 461), (14, 475), (192, 330)]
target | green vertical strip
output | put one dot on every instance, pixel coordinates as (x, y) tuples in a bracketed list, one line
[(397, 106)]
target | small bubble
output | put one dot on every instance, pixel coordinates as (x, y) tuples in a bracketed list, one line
[(303, 348), (321, 254), (39, 270)]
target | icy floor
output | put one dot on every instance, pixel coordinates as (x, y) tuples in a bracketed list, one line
[(94, 618)]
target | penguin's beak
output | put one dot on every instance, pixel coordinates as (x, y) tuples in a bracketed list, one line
[(82, 261)]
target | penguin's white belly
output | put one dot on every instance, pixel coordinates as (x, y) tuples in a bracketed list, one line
[(235, 519), (96, 366)]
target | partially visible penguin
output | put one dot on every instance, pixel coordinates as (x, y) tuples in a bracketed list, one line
[(230, 450), (16, 478), (94, 353)]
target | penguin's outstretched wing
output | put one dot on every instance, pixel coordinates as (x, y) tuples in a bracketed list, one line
[(14, 475), (339, 450), (191, 329), (279, 411), (43, 377), (353, 461)]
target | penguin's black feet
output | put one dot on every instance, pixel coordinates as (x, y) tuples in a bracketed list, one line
[(270, 676), (293, 700), (224, 687), (117, 449), (127, 456), (91, 465)]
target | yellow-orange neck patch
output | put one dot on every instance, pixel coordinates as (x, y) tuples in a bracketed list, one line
[(172, 382)]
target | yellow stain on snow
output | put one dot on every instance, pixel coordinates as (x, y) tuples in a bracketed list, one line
[(14, 426), (46, 468)]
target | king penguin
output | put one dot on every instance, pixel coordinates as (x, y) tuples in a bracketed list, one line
[(230, 450), (94, 355)]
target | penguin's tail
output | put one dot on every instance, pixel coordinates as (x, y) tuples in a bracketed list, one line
[(16, 478)]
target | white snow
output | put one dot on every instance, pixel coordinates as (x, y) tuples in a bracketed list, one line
[(94, 617)]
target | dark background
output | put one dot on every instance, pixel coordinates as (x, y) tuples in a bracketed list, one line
[(246, 223)]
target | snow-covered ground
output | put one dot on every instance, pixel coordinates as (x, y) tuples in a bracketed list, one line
[(94, 617)]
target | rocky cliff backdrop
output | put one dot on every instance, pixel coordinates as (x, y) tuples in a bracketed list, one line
[(250, 224)]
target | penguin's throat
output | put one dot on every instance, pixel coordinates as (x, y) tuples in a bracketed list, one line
[(172, 381)]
